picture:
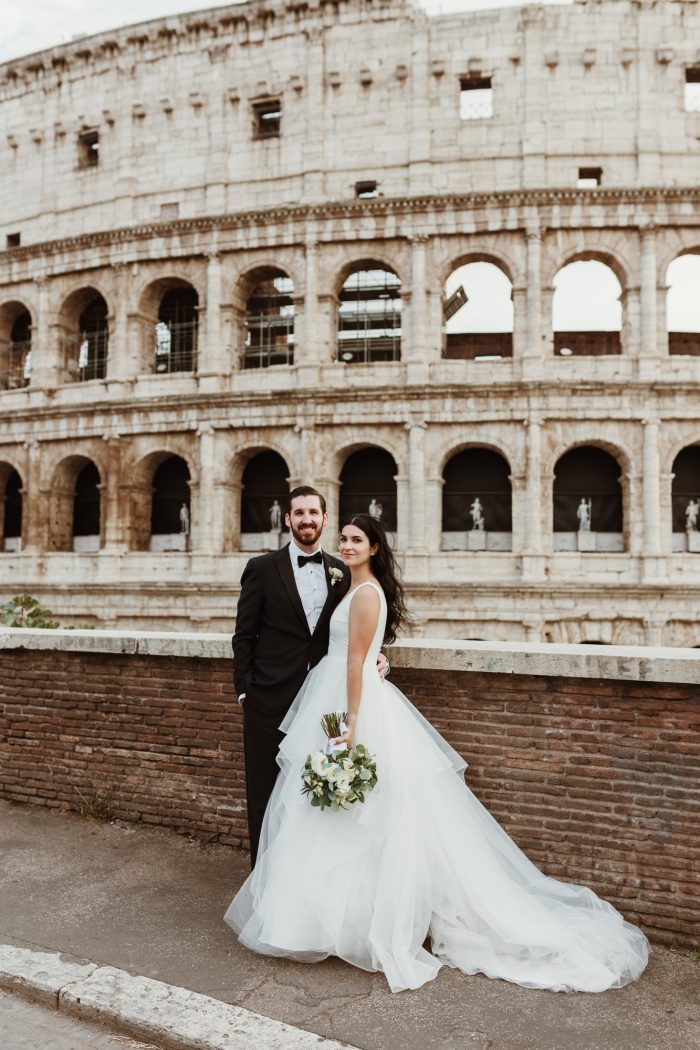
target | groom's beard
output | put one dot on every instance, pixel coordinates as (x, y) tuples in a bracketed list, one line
[(307, 538)]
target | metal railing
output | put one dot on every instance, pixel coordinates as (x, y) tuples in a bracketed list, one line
[(269, 340), (175, 346), (16, 365), (88, 356)]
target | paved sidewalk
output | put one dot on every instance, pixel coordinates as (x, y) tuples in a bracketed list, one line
[(29, 1026), (151, 903)]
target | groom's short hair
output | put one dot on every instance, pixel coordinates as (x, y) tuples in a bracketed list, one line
[(305, 490)]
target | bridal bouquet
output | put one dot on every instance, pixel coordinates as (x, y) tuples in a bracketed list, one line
[(337, 777)]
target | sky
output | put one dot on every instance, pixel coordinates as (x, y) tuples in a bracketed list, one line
[(31, 25)]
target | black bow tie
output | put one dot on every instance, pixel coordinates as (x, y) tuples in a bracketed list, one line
[(302, 559)]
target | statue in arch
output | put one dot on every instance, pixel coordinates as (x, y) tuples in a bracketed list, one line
[(583, 513), (184, 519), (275, 512), (375, 509), (691, 515), (477, 513)]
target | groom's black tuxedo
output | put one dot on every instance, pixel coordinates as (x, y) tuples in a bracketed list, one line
[(273, 649)]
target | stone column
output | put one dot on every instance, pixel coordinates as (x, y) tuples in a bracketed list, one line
[(521, 329), (535, 347), (416, 494), (211, 349), (533, 557), (34, 509), (653, 564), (330, 487), (433, 507), (418, 349), (307, 347), (203, 540), (112, 508), (403, 512), (648, 294), (46, 350), (121, 363)]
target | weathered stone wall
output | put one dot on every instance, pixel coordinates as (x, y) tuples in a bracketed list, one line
[(588, 762), (585, 84)]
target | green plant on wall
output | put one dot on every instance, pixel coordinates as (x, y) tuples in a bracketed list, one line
[(25, 611)]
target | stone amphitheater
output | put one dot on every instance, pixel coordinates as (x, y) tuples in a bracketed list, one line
[(428, 263)]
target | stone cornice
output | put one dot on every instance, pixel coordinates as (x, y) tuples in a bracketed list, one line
[(427, 206), (620, 663)]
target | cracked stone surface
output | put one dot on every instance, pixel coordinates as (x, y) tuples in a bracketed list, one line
[(33, 1026), (151, 903)]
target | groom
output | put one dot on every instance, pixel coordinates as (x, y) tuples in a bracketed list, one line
[(282, 622)]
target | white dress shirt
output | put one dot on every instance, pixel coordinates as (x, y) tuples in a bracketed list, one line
[(312, 584)]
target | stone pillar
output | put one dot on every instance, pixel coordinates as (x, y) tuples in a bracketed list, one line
[(654, 564), (330, 487), (307, 456), (533, 558), (534, 349), (120, 359), (307, 348), (46, 350), (33, 507), (416, 494), (112, 508), (433, 507), (211, 349), (648, 294), (203, 539), (418, 350), (403, 512), (521, 322)]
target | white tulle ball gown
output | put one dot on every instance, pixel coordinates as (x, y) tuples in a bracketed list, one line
[(420, 861)]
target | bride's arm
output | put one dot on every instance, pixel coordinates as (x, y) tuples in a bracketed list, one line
[(363, 619)]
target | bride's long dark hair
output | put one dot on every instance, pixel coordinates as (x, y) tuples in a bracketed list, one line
[(387, 572)]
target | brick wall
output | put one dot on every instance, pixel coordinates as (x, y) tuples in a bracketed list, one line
[(596, 780)]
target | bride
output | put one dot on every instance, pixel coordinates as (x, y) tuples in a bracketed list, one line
[(420, 861)]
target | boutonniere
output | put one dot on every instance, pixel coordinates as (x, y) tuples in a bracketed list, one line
[(335, 575)]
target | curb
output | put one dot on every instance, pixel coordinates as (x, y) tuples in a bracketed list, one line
[(151, 1011)]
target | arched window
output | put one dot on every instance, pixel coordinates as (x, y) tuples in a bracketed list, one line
[(12, 511), (176, 330), (476, 501), (683, 305), (86, 509), (93, 341), (264, 492), (369, 315), (269, 320), (15, 346), (685, 500), (586, 310), (170, 506), (588, 501), (368, 486), (478, 313)]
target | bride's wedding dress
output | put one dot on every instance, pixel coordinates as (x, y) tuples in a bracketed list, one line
[(420, 858)]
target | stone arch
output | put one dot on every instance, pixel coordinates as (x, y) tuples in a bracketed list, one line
[(478, 254), (264, 484), (476, 499), (587, 499), (369, 312), (83, 324), (142, 491), (576, 329), (15, 344), (264, 312), (63, 490), (368, 478), (11, 507), (169, 313), (602, 253), (478, 321), (682, 278)]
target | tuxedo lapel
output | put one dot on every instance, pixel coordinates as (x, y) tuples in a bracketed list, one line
[(284, 566)]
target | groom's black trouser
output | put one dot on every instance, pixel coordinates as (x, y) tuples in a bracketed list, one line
[(261, 741)]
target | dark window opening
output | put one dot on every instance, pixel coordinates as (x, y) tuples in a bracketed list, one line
[(267, 118), (368, 486), (685, 487), (170, 491), (477, 473), (12, 524), (86, 502), (13, 240), (88, 149), (475, 98), (269, 322), (16, 361), (589, 178), (93, 340), (264, 481), (366, 190), (369, 316), (176, 331), (591, 475)]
